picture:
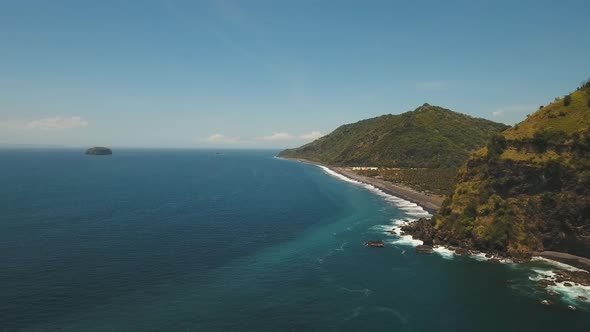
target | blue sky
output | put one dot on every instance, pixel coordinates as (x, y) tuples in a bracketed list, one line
[(273, 74)]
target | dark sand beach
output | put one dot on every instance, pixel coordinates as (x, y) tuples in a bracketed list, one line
[(429, 202)]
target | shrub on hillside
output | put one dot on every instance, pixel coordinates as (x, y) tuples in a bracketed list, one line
[(567, 100), (496, 146), (543, 138)]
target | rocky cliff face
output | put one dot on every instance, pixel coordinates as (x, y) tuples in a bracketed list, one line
[(528, 189)]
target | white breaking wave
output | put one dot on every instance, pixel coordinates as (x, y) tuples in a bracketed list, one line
[(445, 252), (383, 229), (480, 257), (338, 175), (542, 274), (410, 208), (571, 293), (562, 266), (406, 240)]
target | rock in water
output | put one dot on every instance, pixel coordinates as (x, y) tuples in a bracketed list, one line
[(546, 302), (424, 249), (99, 151), (375, 244), (543, 283)]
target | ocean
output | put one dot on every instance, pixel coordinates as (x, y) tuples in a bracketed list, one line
[(201, 240)]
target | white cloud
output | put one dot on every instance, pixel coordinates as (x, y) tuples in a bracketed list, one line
[(219, 138), (514, 109), (431, 85), (57, 123), (311, 136), (281, 136)]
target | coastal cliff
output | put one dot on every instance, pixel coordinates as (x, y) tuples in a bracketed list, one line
[(527, 191)]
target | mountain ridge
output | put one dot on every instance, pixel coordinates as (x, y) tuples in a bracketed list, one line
[(428, 137)]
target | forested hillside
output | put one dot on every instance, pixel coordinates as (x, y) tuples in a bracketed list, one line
[(428, 137)]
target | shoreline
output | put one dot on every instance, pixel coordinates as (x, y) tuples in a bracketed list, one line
[(430, 203), (565, 258)]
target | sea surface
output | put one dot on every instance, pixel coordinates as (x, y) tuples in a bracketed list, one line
[(200, 240)]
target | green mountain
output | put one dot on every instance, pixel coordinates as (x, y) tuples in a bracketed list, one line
[(430, 136), (529, 189)]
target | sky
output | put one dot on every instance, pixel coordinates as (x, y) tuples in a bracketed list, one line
[(273, 74)]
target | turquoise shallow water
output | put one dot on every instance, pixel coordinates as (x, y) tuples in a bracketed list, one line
[(193, 240)]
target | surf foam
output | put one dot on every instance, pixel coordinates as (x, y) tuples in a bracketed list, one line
[(444, 252), (410, 208), (557, 264)]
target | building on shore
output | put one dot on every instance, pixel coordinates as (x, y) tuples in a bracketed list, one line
[(364, 168)]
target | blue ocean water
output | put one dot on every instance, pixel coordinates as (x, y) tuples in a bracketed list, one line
[(184, 240)]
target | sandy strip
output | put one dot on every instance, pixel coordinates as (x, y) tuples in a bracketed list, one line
[(573, 260), (430, 203)]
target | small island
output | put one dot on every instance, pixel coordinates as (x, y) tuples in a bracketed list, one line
[(99, 151)]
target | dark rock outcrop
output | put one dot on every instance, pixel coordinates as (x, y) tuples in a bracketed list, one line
[(422, 229), (99, 151), (544, 283), (578, 277), (424, 249), (375, 244)]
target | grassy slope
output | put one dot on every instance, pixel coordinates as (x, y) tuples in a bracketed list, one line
[(430, 136), (529, 189)]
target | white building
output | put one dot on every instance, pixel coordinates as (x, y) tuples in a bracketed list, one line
[(364, 168)]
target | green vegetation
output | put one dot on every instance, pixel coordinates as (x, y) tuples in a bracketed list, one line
[(428, 137), (567, 100), (99, 151), (529, 189), (438, 181)]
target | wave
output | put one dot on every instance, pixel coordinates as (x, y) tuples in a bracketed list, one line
[(444, 252), (410, 208), (405, 240), (569, 294), (557, 264)]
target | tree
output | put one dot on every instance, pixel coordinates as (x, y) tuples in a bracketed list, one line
[(497, 145), (567, 100)]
